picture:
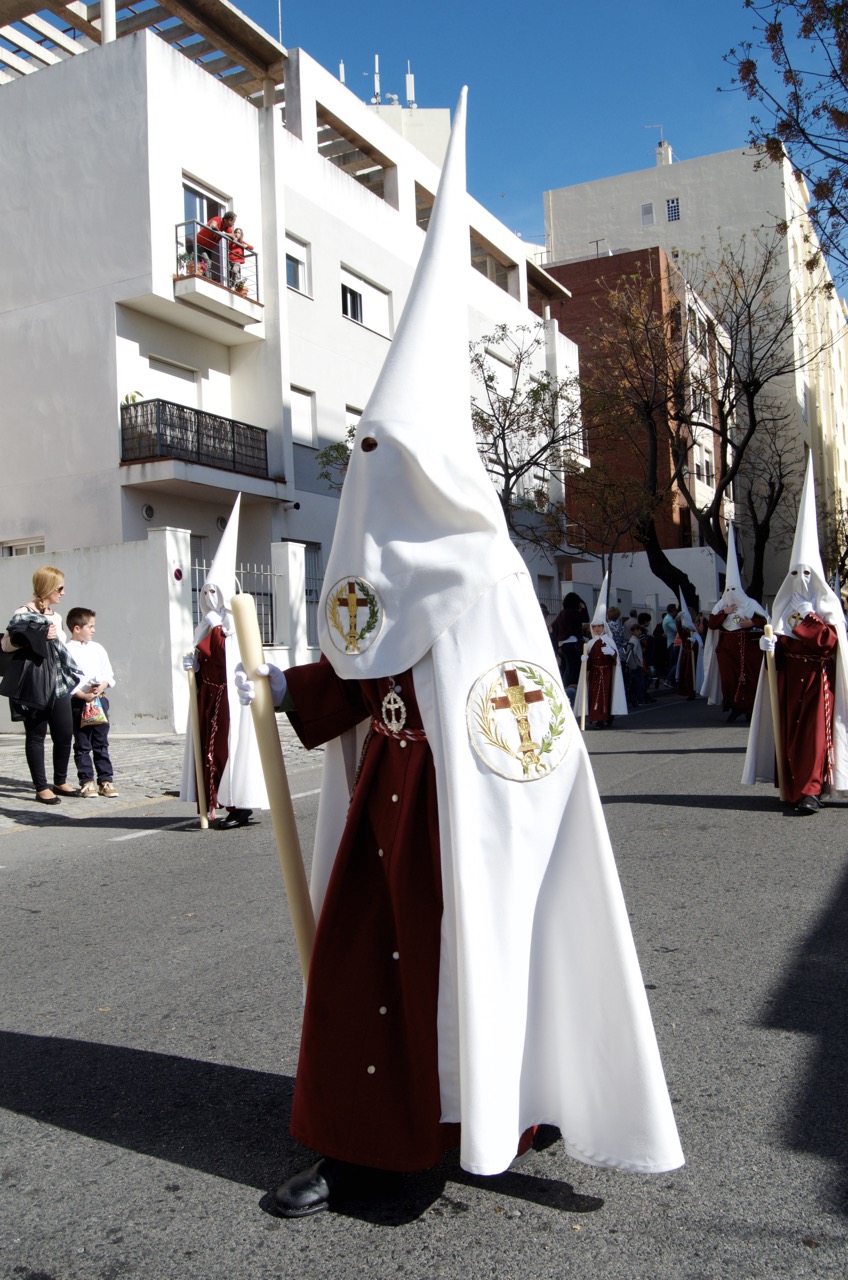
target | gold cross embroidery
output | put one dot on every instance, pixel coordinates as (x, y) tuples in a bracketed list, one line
[(352, 601), (516, 700)]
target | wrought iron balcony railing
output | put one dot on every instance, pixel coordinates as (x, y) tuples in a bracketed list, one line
[(152, 429)]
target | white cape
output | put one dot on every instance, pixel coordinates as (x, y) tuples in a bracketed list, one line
[(618, 695), (242, 784), (543, 1016)]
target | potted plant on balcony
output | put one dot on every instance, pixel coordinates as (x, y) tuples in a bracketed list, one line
[(186, 263)]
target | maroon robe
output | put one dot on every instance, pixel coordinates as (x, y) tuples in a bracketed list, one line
[(214, 711), (805, 676), (600, 667), (685, 674), (367, 1086), (739, 659)]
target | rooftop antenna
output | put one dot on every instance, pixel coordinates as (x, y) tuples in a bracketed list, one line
[(376, 99), (655, 126), (341, 72), (280, 19), (410, 87)]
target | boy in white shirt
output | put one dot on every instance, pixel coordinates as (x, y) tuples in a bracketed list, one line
[(90, 740)]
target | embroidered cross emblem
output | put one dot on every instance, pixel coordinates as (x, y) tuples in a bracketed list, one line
[(515, 700), (350, 600)]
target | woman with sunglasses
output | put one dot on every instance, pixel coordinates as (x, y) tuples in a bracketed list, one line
[(37, 629)]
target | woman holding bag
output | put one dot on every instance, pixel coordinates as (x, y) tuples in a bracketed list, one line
[(39, 681)]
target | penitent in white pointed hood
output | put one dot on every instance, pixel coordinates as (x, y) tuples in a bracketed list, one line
[(806, 555), (420, 533)]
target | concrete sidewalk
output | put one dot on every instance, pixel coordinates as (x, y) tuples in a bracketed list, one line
[(147, 768)]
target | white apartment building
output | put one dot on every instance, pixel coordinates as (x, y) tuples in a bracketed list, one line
[(140, 393), (690, 205)]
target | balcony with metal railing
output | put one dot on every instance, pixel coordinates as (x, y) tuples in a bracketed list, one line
[(217, 272), (159, 429)]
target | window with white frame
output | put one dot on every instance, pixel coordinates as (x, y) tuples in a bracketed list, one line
[(303, 416), (648, 214), (672, 209), (365, 303), (23, 547), (297, 265), (352, 417)]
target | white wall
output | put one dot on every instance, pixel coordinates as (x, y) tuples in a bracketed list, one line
[(141, 593)]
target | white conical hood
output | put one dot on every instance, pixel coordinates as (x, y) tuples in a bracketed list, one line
[(806, 554), (420, 532), (732, 580), (600, 614), (733, 599), (221, 584)]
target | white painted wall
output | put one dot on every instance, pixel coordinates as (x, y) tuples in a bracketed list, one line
[(143, 621)]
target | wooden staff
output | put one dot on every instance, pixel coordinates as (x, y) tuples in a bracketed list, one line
[(771, 668), (585, 698), (276, 780), (194, 711)]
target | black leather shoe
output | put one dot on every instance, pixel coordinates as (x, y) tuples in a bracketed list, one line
[(48, 799), (808, 804), (310, 1190), (238, 818)]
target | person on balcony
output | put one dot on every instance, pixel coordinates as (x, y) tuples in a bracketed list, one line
[(238, 244), (211, 242)]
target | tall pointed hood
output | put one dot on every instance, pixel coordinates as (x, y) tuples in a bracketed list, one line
[(221, 583), (734, 600), (420, 532), (600, 614), (806, 555)]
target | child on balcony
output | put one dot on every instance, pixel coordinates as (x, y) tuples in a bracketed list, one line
[(237, 247)]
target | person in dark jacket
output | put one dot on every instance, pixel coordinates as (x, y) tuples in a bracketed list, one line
[(39, 691)]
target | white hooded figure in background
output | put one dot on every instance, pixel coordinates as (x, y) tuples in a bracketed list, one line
[(232, 772), (726, 680), (516, 980), (690, 661), (811, 656), (605, 698)]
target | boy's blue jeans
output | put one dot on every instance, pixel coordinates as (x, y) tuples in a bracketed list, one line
[(91, 742)]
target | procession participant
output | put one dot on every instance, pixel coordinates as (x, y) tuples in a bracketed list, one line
[(811, 656), (690, 664), (605, 694), (232, 775), (732, 655), (473, 972)]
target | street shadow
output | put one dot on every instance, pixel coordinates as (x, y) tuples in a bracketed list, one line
[(811, 1000), (735, 804), (36, 815), (677, 751), (226, 1121), (223, 1120)]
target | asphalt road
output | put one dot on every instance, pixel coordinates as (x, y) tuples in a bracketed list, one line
[(151, 1015)]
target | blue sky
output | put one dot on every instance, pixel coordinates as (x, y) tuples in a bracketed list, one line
[(559, 93)]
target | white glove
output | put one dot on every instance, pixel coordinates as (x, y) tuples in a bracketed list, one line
[(190, 662), (584, 657), (768, 644), (246, 689), (797, 604)]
